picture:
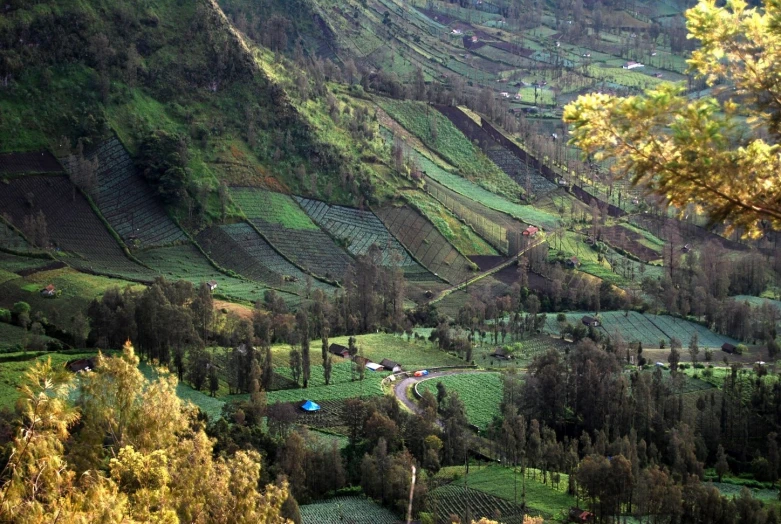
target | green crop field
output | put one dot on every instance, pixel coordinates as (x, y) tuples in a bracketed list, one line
[(274, 208), (525, 213), (646, 328), (440, 135), (480, 392), (341, 510), (501, 482)]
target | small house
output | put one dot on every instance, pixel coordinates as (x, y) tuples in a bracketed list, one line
[(390, 365), (339, 350), (530, 231), (505, 94), (81, 364), (49, 291), (212, 285), (589, 321), (502, 354), (374, 366), (686, 248), (580, 515), (632, 65), (573, 262), (658, 75), (728, 348)]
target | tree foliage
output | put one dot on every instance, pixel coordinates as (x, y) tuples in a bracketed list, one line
[(130, 452), (719, 152)]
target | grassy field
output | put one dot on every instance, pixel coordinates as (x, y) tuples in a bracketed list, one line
[(411, 355), (13, 337), (346, 509), (501, 482), (341, 387), (480, 392), (78, 290)]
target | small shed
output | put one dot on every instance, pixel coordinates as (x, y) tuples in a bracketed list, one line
[(49, 291), (502, 354), (686, 248), (374, 366), (580, 515), (339, 350), (212, 285), (573, 262), (310, 406), (81, 364), (728, 348), (590, 321), (390, 365), (530, 231)]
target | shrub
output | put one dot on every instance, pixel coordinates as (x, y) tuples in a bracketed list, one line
[(740, 349), (5, 316)]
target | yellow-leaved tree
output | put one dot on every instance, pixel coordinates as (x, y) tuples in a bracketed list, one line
[(130, 451), (719, 152)]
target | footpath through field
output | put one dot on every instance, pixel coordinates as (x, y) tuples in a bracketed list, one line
[(507, 263)]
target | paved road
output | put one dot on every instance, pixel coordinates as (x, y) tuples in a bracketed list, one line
[(400, 388)]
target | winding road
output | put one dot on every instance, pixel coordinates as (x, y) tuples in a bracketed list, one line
[(400, 389)]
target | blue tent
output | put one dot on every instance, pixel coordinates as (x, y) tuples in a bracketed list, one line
[(310, 406)]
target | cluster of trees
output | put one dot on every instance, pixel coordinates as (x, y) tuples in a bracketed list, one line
[(630, 443)]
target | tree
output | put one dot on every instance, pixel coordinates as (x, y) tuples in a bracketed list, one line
[(137, 454), (302, 321), (295, 364), (328, 365), (696, 151), (722, 467), (694, 348), (162, 159)]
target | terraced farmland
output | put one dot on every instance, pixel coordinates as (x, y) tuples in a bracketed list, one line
[(480, 392), (240, 248), (185, 262), (346, 510), (290, 230), (524, 174), (647, 329), (427, 244), (358, 229), (525, 213), (454, 499), (77, 235), (128, 203)]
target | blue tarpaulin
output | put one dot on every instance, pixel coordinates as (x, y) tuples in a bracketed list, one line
[(310, 406)]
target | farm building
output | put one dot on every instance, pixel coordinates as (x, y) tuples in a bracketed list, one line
[(686, 248), (212, 285), (573, 262), (502, 354), (374, 366), (530, 231), (390, 365), (632, 65), (590, 321), (580, 515), (82, 364), (49, 291), (361, 361), (728, 348), (339, 350)]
